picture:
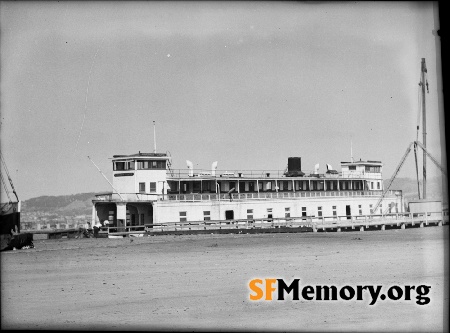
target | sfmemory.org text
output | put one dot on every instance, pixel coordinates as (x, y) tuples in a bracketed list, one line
[(263, 289)]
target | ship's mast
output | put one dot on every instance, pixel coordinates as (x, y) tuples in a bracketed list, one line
[(423, 83), (154, 137)]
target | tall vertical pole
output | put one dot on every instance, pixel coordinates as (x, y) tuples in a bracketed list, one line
[(154, 136), (424, 130)]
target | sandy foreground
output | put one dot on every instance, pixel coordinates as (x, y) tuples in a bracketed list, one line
[(201, 282)]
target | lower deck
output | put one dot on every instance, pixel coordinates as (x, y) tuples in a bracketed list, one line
[(121, 214)]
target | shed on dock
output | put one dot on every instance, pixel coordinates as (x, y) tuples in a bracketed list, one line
[(425, 205)]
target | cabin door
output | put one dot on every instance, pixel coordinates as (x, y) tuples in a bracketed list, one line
[(229, 215), (348, 212)]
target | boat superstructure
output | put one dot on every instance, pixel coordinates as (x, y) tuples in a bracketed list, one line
[(147, 192)]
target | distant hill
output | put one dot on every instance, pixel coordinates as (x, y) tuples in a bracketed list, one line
[(75, 204), (437, 188)]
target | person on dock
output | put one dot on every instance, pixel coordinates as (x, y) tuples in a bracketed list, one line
[(84, 230), (97, 227)]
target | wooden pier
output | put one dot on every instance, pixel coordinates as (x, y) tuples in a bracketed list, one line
[(273, 225)]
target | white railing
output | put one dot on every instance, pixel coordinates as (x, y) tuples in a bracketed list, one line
[(272, 195)]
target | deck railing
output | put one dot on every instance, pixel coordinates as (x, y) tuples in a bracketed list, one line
[(201, 173), (272, 195), (113, 197)]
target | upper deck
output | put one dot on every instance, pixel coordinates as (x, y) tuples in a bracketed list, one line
[(151, 174)]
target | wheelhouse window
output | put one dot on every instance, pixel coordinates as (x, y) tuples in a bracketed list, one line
[(370, 168), (149, 164), (123, 165), (352, 167)]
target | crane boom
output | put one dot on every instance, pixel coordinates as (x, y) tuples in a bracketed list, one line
[(416, 143), (393, 177)]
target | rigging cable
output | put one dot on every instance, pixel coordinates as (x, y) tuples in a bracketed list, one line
[(9, 177), (87, 93), (5, 187)]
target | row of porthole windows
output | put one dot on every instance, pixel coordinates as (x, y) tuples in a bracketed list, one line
[(287, 212)]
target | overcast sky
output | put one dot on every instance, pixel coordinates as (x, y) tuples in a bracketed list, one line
[(247, 84)]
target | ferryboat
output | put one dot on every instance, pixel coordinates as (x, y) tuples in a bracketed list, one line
[(148, 192)]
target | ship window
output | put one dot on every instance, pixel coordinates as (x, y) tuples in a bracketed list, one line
[(334, 211), (373, 168), (269, 213), (173, 186), (320, 185), (319, 211), (249, 214), (197, 186), (251, 186), (119, 166), (352, 167), (206, 215), (371, 185), (287, 212), (151, 164), (152, 186), (378, 185), (232, 185), (142, 187), (206, 186), (183, 217), (303, 211), (268, 186)]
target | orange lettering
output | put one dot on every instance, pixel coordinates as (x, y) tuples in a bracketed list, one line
[(256, 289), (269, 288)]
